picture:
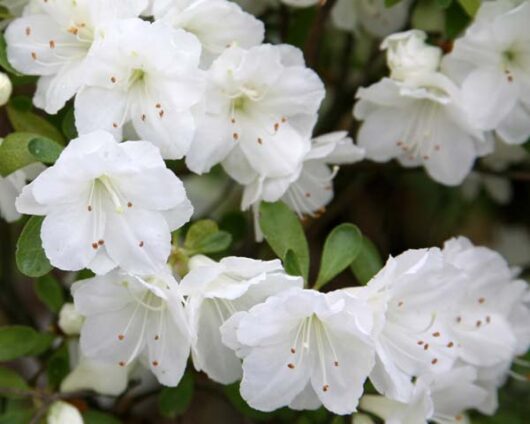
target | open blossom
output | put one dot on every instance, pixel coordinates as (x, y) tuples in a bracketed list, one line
[(10, 188), (491, 62), (260, 106), (217, 290), (303, 348), (420, 123), (107, 204), (310, 187), (441, 399), (411, 338), (372, 16), (216, 23), (129, 317), (52, 40), (146, 74)]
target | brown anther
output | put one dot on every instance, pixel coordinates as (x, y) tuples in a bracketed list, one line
[(308, 195), (52, 44), (113, 80), (459, 418), (141, 244), (121, 337), (425, 157), (233, 120), (28, 31), (488, 319), (73, 30), (276, 126), (260, 141), (481, 300), (101, 242), (400, 304), (284, 119), (450, 345), (293, 350), (291, 366), (155, 363), (143, 117), (399, 143), (34, 55), (158, 105), (436, 334), (328, 188), (89, 208), (434, 361), (115, 125), (426, 347), (336, 363), (420, 342), (437, 147), (478, 323), (121, 364), (235, 136), (94, 246), (458, 319), (129, 205), (325, 388), (157, 337), (161, 113)]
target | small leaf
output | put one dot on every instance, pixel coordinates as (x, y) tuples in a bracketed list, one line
[(342, 246), (198, 231), (3, 57), (14, 153), (17, 341), (215, 243), (174, 401), (291, 265), (368, 262), (68, 125), (11, 380), (470, 6), (50, 292), (97, 417), (390, 3), (444, 4), (283, 231), (204, 237), (30, 257), (42, 342), (58, 366), (45, 150), (27, 121)]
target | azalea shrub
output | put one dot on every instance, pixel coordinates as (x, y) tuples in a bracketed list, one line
[(281, 211)]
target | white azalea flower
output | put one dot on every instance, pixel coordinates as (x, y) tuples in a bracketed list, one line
[(371, 15), (491, 62), (408, 296), (420, 122), (146, 74), (260, 108), (435, 399), (303, 348), (129, 317), (52, 40), (309, 188), (61, 412), (217, 290), (408, 55), (480, 321), (11, 186), (216, 23), (107, 204)]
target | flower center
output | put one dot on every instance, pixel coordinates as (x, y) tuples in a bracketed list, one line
[(137, 77)]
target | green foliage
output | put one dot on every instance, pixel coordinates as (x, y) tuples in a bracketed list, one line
[(367, 263), (14, 153), (18, 341), (390, 3), (205, 237), (174, 401), (97, 417), (68, 125), (456, 20), (470, 6), (341, 248), (44, 149), (283, 231), (232, 393), (9, 379), (50, 292), (30, 257), (58, 366), (24, 120), (291, 265)]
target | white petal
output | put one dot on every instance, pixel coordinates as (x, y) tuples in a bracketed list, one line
[(515, 128)]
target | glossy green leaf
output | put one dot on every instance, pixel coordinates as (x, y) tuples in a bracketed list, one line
[(50, 292), (470, 6), (390, 3), (283, 231), (291, 265), (11, 380), (45, 150), (14, 153), (205, 237), (27, 121), (174, 401), (17, 341), (367, 263), (341, 248), (68, 125), (58, 366), (30, 257)]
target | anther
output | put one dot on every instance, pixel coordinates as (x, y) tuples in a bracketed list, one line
[(450, 345), (434, 361), (293, 350), (143, 117), (89, 208), (141, 244), (101, 242), (291, 366), (426, 347), (458, 319), (121, 364), (479, 323), (115, 125), (420, 342), (260, 141), (34, 55), (121, 337), (481, 300), (158, 105), (155, 363), (94, 246), (113, 80), (129, 205), (161, 113), (284, 119), (235, 136), (52, 44), (437, 334), (157, 337), (325, 388), (336, 363), (308, 195), (400, 304), (28, 31), (488, 319), (276, 126)]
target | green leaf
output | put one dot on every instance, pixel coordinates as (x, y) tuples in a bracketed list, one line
[(174, 401), (283, 231), (3, 57), (390, 3), (22, 416), (444, 4), (205, 237), (470, 6), (17, 341), (50, 292), (456, 20), (341, 248), (291, 265), (27, 121), (30, 257), (97, 417), (45, 150), (368, 262), (11, 380), (58, 366), (42, 342), (68, 125), (14, 153)]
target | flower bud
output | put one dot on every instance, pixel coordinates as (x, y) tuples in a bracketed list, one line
[(63, 413), (6, 88), (70, 321), (408, 55)]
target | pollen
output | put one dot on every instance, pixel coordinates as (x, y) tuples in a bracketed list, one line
[(52, 44), (235, 136), (94, 246), (121, 337), (101, 242), (34, 55), (436, 334), (293, 350), (290, 366), (113, 80), (325, 387), (121, 364), (450, 345), (155, 363), (434, 361), (129, 205)]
